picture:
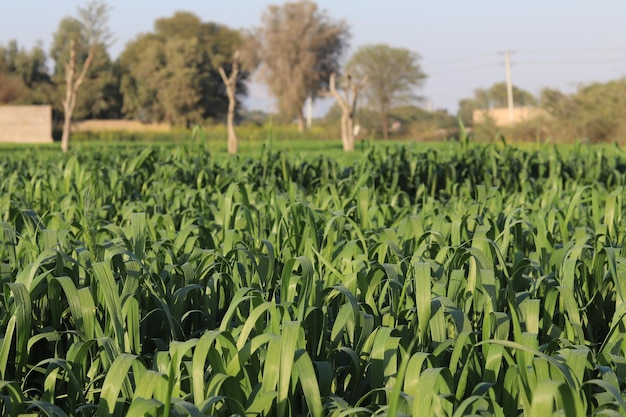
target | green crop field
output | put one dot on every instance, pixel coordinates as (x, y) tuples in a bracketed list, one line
[(462, 279)]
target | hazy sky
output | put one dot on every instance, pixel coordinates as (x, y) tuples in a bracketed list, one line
[(554, 43)]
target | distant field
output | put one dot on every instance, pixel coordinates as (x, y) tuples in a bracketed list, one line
[(247, 148), (215, 142), (295, 280)]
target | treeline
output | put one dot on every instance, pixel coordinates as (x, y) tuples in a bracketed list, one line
[(179, 73), (166, 75), (594, 112)]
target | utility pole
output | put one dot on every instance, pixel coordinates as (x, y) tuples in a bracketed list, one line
[(509, 86)]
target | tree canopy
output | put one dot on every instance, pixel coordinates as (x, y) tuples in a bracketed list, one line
[(299, 47), (172, 74), (24, 76), (490, 98), (595, 111), (393, 76)]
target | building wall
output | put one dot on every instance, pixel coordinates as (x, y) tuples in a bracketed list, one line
[(500, 115), (26, 124)]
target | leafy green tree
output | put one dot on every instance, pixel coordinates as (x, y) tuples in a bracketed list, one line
[(139, 62), (172, 74), (596, 112), (24, 75), (179, 81), (411, 114), (393, 75), (497, 96), (12, 89), (493, 97), (555, 102), (466, 109), (299, 47)]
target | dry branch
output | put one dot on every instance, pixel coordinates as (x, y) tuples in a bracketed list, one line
[(347, 104)]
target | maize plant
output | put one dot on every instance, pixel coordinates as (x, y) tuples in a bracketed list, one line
[(466, 279)]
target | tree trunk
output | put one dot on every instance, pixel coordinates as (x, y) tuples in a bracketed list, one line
[(231, 89), (71, 90), (344, 131), (384, 121), (67, 125), (300, 121), (348, 109), (232, 137), (348, 144), (347, 131)]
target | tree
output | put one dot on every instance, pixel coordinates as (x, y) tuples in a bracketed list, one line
[(466, 111), (172, 73), (493, 97), (12, 89), (99, 96), (140, 61), (348, 107), (498, 97), (595, 111), (24, 76), (299, 47), (393, 74), (81, 39), (178, 82)]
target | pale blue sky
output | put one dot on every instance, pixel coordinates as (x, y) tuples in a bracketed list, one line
[(556, 43)]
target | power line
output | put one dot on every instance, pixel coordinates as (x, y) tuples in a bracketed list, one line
[(586, 61), (522, 61), (465, 69), (527, 51), (461, 60), (573, 50)]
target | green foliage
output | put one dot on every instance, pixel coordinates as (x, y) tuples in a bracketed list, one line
[(414, 123), (595, 112), (299, 47), (392, 74), (469, 279), (171, 74), (214, 134), (418, 123), (493, 97), (24, 77)]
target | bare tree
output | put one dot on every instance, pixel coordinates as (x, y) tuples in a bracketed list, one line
[(230, 81), (93, 18), (347, 103), (299, 46), (234, 69)]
